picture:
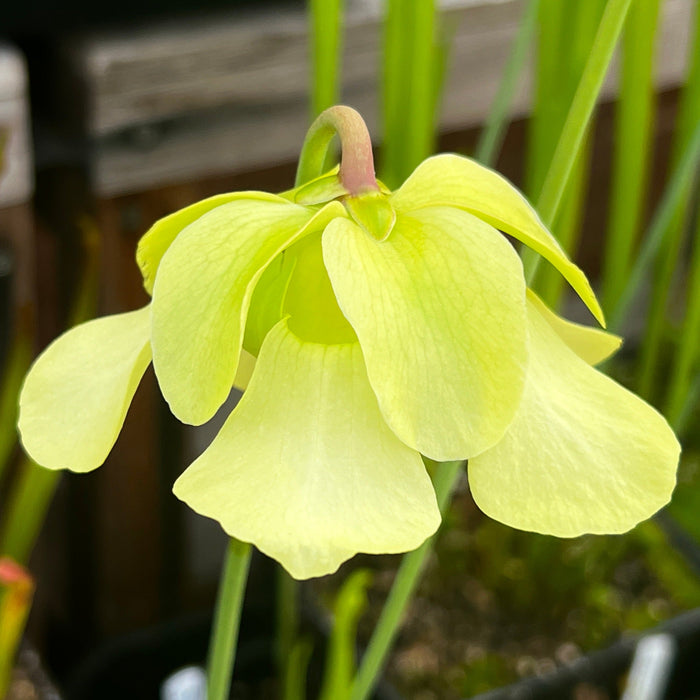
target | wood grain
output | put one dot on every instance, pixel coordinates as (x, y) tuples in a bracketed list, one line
[(178, 101)]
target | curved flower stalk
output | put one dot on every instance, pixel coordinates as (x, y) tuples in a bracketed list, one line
[(385, 326)]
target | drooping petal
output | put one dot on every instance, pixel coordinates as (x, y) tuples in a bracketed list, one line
[(583, 454), (592, 345), (153, 244), (439, 309), (306, 469), (453, 180), (202, 293), (76, 395)]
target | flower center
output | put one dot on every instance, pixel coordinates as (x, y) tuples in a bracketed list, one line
[(314, 314)]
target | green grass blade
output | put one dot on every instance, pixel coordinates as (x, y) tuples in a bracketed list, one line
[(632, 147), (411, 78), (688, 118), (287, 627), (689, 108), (688, 351), (395, 78), (227, 617), (421, 115), (350, 603), (297, 667), (584, 101), (584, 21), (658, 229), (26, 512), (567, 227), (491, 138), (326, 18), (549, 103), (445, 480)]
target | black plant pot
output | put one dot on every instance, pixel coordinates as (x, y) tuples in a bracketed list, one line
[(136, 665), (605, 670)]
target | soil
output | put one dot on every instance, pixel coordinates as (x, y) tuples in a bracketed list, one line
[(29, 681), (496, 605)]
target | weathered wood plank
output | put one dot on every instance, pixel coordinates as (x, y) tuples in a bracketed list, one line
[(230, 93), (16, 179)]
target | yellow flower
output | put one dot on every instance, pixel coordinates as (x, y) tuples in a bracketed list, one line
[(386, 326)]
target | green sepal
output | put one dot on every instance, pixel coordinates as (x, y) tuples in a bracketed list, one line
[(373, 213)]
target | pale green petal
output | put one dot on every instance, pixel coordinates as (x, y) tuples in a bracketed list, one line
[(591, 344), (306, 469), (246, 365), (77, 393), (157, 239), (456, 181), (202, 293), (582, 455), (310, 301), (439, 309)]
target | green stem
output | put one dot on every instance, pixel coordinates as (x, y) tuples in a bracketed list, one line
[(222, 649), (659, 228), (549, 101), (689, 343), (632, 155), (420, 114), (287, 620), (326, 22), (574, 131), (29, 501), (687, 121), (357, 162), (492, 136), (395, 76), (446, 477), (567, 228)]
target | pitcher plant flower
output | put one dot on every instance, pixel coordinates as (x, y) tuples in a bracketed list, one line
[(384, 326)]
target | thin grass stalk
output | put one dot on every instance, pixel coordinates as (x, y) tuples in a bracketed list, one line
[(326, 45), (395, 88), (688, 352), (659, 228), (568, 223), (227, 617), (350, 604), (567, 228), (26, 511), (688, 118), (287, 619), (407, 578), (579, 117), (491, 138), (420, 114), (683, 424), (549, 103), (634, 124), (653, 341), (410, 87)]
